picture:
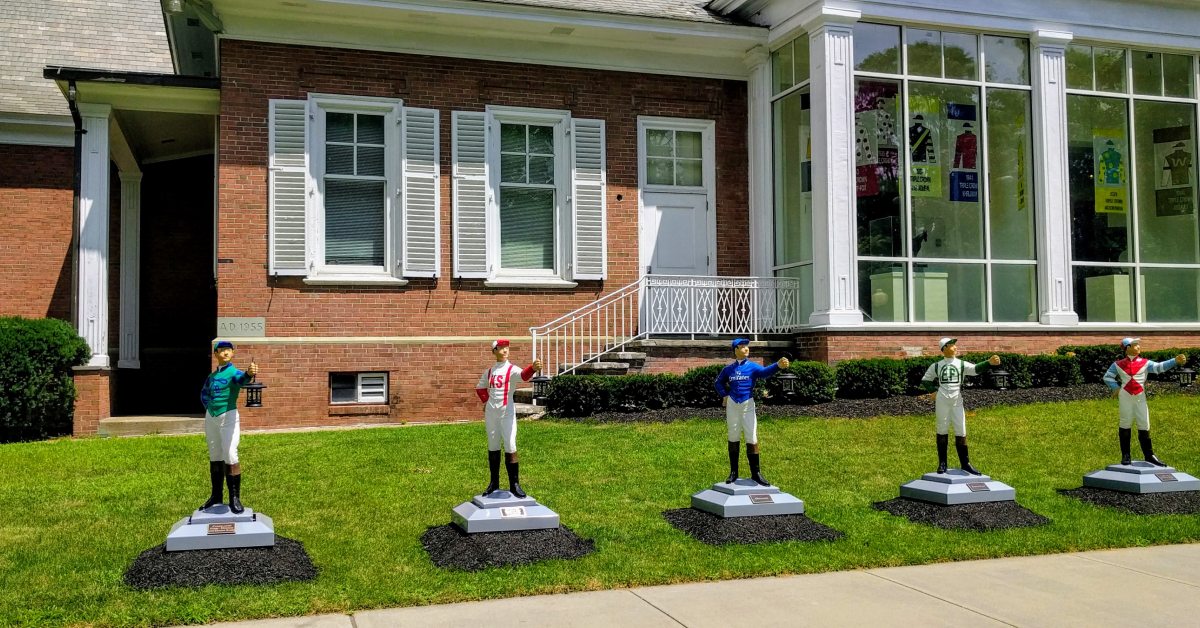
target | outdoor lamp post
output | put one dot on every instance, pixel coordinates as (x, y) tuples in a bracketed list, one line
[(541, 387), (999, 378), (1186, 376), (787, 384), (254, 394)]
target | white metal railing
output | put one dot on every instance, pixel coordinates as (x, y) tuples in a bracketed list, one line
[(667, 305)]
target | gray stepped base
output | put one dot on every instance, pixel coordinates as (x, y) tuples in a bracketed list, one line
[(251, 529), (956, 486), (503, 512), (597, 368), (746, 498), (143, 425), (1141, 477)]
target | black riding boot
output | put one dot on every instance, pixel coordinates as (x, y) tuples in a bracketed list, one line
[(754, 474), (964, 459), (1123, 435), (733, 462), (943, 441), (1148, 448), (235, 493), (216, 476), (493, 472), (514, 479)]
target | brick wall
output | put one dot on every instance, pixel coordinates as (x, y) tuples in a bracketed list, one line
[(93, 399), (35, 233)]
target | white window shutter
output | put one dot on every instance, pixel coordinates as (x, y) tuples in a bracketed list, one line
[(288, 169), (422, 241), (589, 256), (469, 129)]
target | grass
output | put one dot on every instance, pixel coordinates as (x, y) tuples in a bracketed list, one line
[(75, 513)]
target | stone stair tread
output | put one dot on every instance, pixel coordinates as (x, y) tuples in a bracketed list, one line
[(151, 424), (618, 355)]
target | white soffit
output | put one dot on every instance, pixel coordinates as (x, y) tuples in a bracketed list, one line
[(498, 32)]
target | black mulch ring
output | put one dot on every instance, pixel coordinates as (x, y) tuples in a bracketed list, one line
[(156, 567), (982, 517), (1176, 503), (714, 530), (451, 548)]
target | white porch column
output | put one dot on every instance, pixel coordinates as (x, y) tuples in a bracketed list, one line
[(1055, 296), (761, 175), (91, 317), (835, 277), (131, 256)]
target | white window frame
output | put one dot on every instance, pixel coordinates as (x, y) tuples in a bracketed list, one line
[(358, 388), (561, 121), (320, 272)]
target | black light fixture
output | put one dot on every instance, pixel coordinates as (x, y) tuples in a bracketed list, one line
[(541, 387), (787, 384), (999, 378), (1186, 376), (254, 394)]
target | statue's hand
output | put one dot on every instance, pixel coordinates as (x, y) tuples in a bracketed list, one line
[(1181, 359), (784, 363), (537, 366), (994, 360), (252, 370)]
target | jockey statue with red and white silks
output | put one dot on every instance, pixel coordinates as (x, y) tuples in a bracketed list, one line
[(1127, 379)]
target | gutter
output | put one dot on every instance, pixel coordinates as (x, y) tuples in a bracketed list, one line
[(76, 184)]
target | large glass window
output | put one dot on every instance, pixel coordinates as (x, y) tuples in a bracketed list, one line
[(1132, 182), (792, 124), (527, 196), (944, 180)]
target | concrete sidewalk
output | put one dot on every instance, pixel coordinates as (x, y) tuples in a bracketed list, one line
[(1155, 586)]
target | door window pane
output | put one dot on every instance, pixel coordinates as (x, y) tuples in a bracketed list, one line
[(1166, 181), (882, 291), (1098, 163), (1007, 59), (1103, 294), (876, 48), (675, 158), (1010, 174), (1014, 293)]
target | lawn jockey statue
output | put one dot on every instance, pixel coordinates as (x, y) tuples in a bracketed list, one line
[(496, 389), (1127, 379), (735, 384), (948, 405)]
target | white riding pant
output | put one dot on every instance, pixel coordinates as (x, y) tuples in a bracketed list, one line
[(501, 424), (222, 432), (1133, 407), (949, 411), (740, 417)]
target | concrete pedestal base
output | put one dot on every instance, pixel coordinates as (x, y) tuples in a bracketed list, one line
[(956, 486), (746, 498), (218, 528), (503, 512), (1141, 477)]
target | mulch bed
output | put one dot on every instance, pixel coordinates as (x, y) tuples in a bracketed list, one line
[(1176, 503), (451, 548), (156, 567), (981, 517), (714, 530)]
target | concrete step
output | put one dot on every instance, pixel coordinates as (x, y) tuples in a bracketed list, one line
[(143, 425), (634, 359), (599, 368), (528, 410)]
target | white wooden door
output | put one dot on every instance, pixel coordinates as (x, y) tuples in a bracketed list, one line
[(676, 234)]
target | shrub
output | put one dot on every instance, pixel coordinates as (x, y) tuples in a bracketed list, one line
[(815, 383), (875, 377), (914, 369), (1094, 360), (578, 395), (1054, 370), (635, 393), (37, 393), (1162, 355), (697, 387), (1017, 365)]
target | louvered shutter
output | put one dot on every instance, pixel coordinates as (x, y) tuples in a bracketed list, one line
[(469, 129), (422, 249), (288, 165), (589, 258)]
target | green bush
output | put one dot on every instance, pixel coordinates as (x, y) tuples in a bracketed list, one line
[(635, 393), (1094, 360), (1054, 370), (914, 369), (578, 395), (1017, 365), (874, 377), (697, 387), (815, 383), (1162, 355), (37, 393)]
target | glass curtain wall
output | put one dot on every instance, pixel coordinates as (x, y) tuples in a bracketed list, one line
[(1135, 244), (944, 176), (792, 127)]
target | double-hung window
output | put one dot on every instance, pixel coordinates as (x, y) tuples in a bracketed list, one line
[(531, 191)]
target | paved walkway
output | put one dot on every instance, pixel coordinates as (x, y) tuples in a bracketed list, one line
[(1155, 586)]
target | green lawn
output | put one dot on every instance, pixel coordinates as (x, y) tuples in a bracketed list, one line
[(75, 513)]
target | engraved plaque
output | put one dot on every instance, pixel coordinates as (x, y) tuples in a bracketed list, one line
[(978, 487), (244, 327), (513, 511), (221, 528), (761, 498), (1166, 477)]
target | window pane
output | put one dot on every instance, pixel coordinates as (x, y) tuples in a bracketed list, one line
[(793, 179), (1177, 75), (1147, 73), (354, 222), (947, 215), (876, 48), (689, 172), (512, 138), (781, 68), (1079, 67), (1166, 181), (800, 53), (526, 228), (660, 171), (339, 127), (1171, 295), (1010, 174), (1007, 59), (370, 129), (948, 292), (659, 143), (541, 140), (512, 169), (882, 291), (1110, 69), (877, 167), (1097, 164), (541, 170), (805, 275), (924, 52), (370, 161), (339, 159), (687, 144), (1103, 294), (961, 53), (343, 387), (1014, 293)]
